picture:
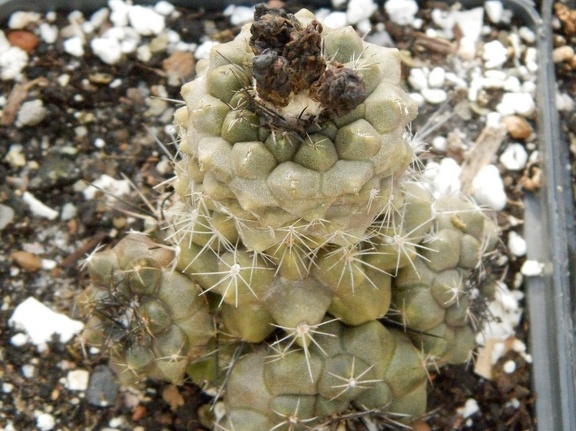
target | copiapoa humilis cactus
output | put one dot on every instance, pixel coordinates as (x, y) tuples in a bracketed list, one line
[(296, 236)]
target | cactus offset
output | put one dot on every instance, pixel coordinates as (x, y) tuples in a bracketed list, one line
[(293, 219)]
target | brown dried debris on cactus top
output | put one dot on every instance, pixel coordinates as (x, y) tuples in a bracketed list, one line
[(288, 60)]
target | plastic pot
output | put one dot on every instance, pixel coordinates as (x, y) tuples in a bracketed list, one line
[(549, 216)]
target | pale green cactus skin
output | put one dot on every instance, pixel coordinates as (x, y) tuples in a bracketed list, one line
[(301, 231)]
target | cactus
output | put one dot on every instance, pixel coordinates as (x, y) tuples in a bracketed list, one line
[(296, 234)]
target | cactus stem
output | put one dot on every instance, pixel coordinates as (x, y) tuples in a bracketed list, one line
[(292, 420), (352, 382), (304, 334)]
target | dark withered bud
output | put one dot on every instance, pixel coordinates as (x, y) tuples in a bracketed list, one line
[(272, 29), (340, 90), (304, 52), (273, 76)]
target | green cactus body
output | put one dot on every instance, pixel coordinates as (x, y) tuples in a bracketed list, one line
[(152, 320), (294, 232)]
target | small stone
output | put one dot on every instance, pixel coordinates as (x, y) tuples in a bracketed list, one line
[(74, 46), (107, 48), (401, 12), (31, 113), (437, 77), (48, 33), (514, 157), (532, 268), (517, 103), (146, 21), (6, 216), (527, 34), (434, 96), (517, 127), (38, 208), (495, 54), (45, 421), (562, 53), (26, 261), (15, 156), (102, 388), (20, 20), (359, 10), (164, 8), (417, 79), (179, 67), (489, 188), (467, 48), (24, 40), (516, 244), (494, 9), (470, 22), (77, 380)]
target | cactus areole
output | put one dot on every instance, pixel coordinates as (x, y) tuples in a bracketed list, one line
[(294, 233)]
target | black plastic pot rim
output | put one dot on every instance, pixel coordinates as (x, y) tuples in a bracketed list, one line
[(549, 214)]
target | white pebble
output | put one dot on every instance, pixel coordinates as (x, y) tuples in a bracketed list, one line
[(108, 49), (20, 339), (564, 102), (439, 143), (470, 408), (494, 9), (31, 113), (446, 20), (417, 97), (7, 388), (19, 20), (467, 48), (114, 187), (509, 367), (489, 188), (434, 96), (532, 268), (470, 22), (41, 323), (494, 54), (12, 59), (516, 244), (514, 157), (69, 211), (98, 18), (437, 77), (517, 103), (143, 53), (512, 84), (45, 421), (336, 19), (359, 10), (527, 34), (401, 12), (38, 208), (74, 46), (119, 15), (203, 50), (28, 370), (146, 21), (48, 33), (164, 8), (445, 177), (48, 264), (493, 119), (239, 15), (417, 79), (77, 380)]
